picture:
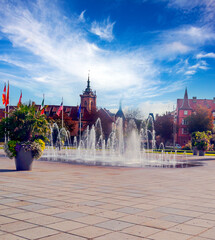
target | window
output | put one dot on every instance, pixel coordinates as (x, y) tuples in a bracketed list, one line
[(213, 114), (184, 122), (185, 112), (85, 103), (184, 131)]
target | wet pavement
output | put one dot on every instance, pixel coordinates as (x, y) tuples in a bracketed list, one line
[(66, 201)]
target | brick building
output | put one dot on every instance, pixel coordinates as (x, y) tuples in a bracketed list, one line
[(89, 113), (184, 108)]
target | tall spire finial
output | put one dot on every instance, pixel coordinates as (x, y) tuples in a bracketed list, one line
[(185, 94), (120, 104), (88, 81)]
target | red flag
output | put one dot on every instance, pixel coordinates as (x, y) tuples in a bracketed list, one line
[(4, 95), (60, 108), (42, 107), (7, 98), (42, 111), (20, 100)]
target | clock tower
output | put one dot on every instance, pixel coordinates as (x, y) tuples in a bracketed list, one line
[(88, 98)]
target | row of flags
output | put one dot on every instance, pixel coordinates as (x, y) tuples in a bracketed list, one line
[(6, 98), (5, 101)]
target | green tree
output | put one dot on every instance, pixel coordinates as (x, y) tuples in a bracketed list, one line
[(164, 127), (201, 120)]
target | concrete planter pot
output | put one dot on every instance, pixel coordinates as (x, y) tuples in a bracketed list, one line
[(24, 160), (201, 153), (195, 151)]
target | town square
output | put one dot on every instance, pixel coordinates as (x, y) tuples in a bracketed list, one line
[(107, 120)]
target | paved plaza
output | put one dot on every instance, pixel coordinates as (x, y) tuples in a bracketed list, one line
[(63, 201)]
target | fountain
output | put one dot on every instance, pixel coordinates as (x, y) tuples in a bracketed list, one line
[(125, 146)]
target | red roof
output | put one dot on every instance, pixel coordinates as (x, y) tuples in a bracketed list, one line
[(194, 103), (54, 109), (67, 109)]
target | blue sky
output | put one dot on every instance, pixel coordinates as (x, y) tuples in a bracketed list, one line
[(144, 52)]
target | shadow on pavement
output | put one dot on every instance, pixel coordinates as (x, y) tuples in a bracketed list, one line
[(7, 170)]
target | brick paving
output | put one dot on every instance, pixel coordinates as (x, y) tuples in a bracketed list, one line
[(63, 201)]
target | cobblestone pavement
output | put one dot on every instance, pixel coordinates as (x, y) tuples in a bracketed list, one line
[(63, 201)]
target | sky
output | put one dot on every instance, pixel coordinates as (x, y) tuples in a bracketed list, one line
[(142, 52)]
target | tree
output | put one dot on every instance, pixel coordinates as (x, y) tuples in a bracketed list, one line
[(201, 120), (133, 113), (164, 127)]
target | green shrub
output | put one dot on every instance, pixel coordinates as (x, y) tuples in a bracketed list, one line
[(201, 140)]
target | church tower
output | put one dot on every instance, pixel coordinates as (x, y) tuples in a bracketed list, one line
[(184, 111), (88, 98)]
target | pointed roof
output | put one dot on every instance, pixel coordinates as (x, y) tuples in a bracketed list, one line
[(185, 105), (88, 89), (120, 112)]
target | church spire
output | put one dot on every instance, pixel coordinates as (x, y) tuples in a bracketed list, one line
[(120, 105), (88, 81), (88, 89), (185, 104), (120, 113)]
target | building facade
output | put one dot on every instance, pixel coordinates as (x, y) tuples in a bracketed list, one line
[(87, 117), (185, 107)]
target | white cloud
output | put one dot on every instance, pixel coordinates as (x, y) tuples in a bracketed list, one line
[(103, 29), (156, 107), (176, 47), (81, 16), (206, 7), (60, 55), (190, 36), (190, 72), (206, 55), (199, 65), (186, 4)]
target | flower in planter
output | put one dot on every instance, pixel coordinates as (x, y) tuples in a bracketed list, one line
[(26, 129), (201, 140)]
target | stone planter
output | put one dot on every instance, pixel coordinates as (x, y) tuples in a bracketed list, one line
[(201, 153), (24, 160), (195, 151)]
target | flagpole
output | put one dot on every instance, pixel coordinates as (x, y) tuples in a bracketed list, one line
[(62, 112), (9, 100), (5, 135), (80, 129), (8, 106)]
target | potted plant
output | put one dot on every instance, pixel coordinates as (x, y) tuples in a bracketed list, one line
[(201, 141), (26, 130)]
